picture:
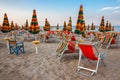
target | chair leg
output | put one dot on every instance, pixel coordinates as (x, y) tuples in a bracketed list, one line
[(103, 62), (10, 51), (17, 51)]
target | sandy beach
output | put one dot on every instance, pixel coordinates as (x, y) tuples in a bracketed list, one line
[(45, 66), (42, 24)]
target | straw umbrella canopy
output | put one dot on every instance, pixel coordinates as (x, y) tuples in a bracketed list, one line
[(34, 27), (47, 25), (80, 26), (5, 26), (69, 27), (102, 25), (64, 26)]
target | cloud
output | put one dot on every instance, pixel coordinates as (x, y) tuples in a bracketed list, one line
[(110, 8)]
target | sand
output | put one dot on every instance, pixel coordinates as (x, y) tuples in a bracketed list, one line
[(46, 66)]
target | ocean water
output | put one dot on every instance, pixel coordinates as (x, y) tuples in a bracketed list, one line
[(116, 28)]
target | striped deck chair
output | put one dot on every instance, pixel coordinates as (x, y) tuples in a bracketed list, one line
[(65, 47), (96, 37), (88, 51), (61, 48), (107, 41)]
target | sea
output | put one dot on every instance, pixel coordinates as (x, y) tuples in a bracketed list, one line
[(116, 28)]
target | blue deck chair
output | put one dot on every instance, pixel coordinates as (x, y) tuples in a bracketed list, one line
[(16, 47)]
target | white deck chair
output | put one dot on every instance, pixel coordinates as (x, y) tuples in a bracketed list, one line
[(88, 51)]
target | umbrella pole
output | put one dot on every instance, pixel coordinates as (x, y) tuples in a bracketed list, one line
[(7, 44), (35, 36), (36, 50)]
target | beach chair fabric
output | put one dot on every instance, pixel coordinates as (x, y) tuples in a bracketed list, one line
[(71, 46), (113, 41), (88, 51), (73, 38), (61, 47)]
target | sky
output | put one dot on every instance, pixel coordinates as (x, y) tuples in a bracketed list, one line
[(58, 11)]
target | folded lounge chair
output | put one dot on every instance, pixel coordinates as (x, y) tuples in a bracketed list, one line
[(88, 51)]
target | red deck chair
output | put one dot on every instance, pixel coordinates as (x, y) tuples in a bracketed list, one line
[(89, 52)]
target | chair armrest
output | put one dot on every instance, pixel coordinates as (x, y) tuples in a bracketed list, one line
[(20, 43)]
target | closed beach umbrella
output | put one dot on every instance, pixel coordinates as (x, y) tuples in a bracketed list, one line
[(47, 25), (80, 26), (12, 26), (69, 27), (16, 26), (64, 26), (5, 26), (110, 26), (26, 25), (92, 26), (113, 28), (57, 27), (106, 26), (34, 27), (102, 25)]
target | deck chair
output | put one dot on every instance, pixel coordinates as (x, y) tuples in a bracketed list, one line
[(96, 37), (65, 47), (16, 47), (50, 36), (107, 41), (88, 51)]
